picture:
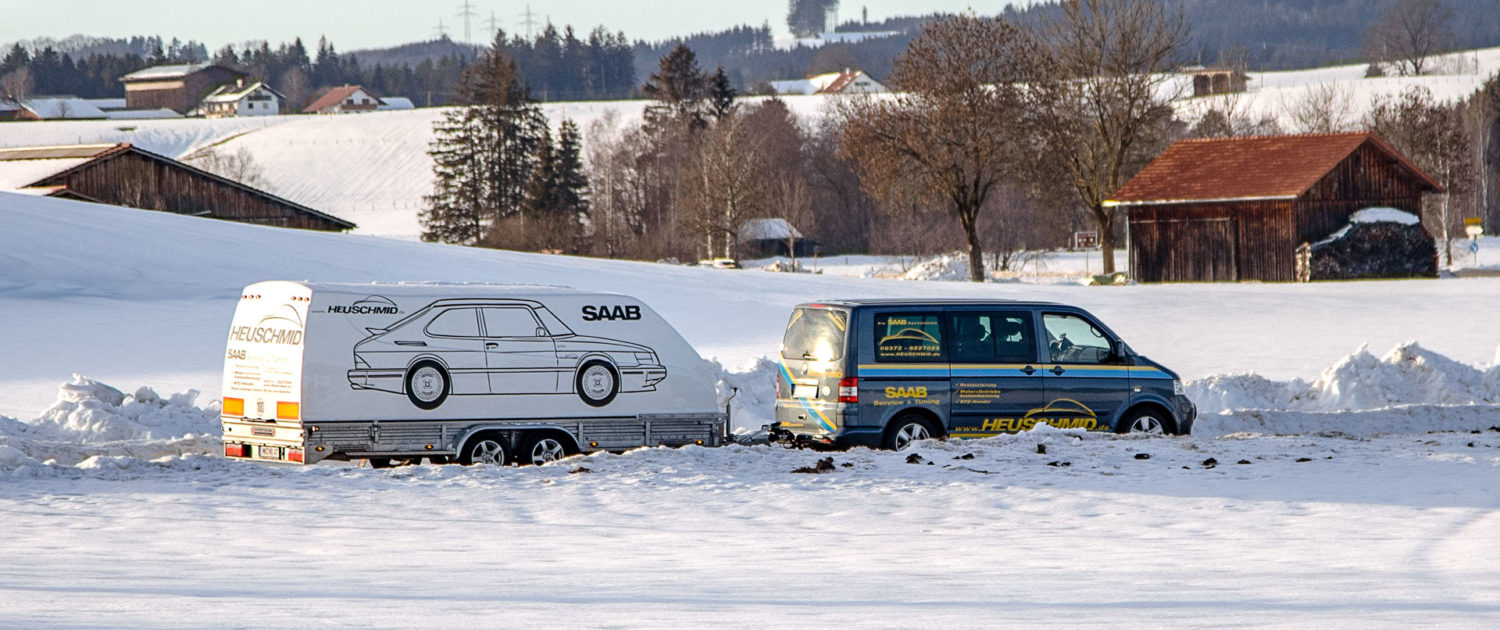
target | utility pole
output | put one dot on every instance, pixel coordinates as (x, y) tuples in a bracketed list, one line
[(529, 19), (494, 26), (466, 11)]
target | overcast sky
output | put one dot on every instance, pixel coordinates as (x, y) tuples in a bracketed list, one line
[(355, 24)]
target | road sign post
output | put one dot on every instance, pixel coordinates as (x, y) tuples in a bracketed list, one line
[(1086, 241)]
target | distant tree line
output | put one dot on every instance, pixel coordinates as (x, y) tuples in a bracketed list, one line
[(89, 68)]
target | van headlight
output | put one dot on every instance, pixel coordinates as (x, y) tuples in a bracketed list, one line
[(1177, 387)]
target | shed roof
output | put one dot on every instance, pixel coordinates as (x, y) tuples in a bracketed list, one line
[(1248, 168), (159, 73), (37, 169)]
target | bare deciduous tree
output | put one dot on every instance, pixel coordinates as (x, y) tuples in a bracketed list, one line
[(1101, 111), (1437, 137), (1227, 114), (725, 189), (1410, 31), (1323, 108), (951, 133), (239, 166)]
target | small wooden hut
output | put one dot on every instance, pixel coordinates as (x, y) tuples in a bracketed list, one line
[(1232, 209)]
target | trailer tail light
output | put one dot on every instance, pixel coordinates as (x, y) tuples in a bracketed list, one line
[(778, 386), (236, 450), (294, 456), (234, 407), (849, 389)]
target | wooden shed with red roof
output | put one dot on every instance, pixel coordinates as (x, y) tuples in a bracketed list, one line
[(1232, 209)]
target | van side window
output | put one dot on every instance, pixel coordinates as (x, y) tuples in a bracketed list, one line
[(458, 322), (908, 337), (991, 338), (1072, 339)]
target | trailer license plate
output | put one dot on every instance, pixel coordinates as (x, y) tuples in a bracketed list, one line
[(804, 391), (270, 452)]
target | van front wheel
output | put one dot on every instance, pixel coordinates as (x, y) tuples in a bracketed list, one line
[(906, 429), (1144, 420)]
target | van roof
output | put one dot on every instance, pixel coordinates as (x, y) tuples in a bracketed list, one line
[(916, 302)]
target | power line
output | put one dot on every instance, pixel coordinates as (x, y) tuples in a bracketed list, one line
[(494, 25), (529, 20), (441, 32), (466, 11)]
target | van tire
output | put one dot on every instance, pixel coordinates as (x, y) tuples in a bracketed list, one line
[(427, 384), (905, 429), (541, 447), (597, 383), (1147, 420), (486, 449)]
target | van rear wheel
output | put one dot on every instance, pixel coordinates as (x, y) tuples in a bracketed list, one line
[(907, 429)]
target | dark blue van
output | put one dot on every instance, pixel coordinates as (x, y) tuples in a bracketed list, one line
[(882, 373)]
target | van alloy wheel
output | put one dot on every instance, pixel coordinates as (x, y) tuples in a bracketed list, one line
[(1146, 420), (904, 432)]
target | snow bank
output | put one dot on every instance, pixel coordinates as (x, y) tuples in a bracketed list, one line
[(944, 267), (1407, 375), (91, 420)]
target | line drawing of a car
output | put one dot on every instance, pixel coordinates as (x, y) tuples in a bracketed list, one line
[(498, 346)]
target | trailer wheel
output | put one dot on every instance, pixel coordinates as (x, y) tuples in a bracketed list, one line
[(598, 383), (542, 447), (486, 448), (427, 384)]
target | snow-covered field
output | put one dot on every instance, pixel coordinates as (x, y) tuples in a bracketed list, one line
[(1343, 473), (373, 168)]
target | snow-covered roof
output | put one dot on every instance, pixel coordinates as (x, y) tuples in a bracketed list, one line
[(22, 166), (395, 102), (107, 103), (336, 96), (832, 82), (764, 229), (141, 114), (62, 107), (160, 73), (229, 93)]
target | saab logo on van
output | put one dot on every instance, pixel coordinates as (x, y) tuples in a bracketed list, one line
[(373, 305), (603, 311), (906, 392)]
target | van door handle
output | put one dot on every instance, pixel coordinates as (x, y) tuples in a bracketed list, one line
[(1029, 370), (491, 345), (1058, 370)]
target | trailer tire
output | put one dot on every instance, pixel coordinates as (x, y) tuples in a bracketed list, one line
[(392, 462), (427, 384), (597, 383), (486, 448), (541, 447)]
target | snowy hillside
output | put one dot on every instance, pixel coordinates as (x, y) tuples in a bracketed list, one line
[(120, 512)]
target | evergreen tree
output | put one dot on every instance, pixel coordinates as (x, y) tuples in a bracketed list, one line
[(483, 153), (680, 89), (572, 180), (720, 94)]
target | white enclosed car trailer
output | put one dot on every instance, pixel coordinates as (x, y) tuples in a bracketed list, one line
[(469, 373)]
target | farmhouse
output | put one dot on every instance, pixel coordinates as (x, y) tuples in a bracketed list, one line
[(240, 99), (342, 100), (847, 82), (179, 88), (1231, 209), (126, 175)]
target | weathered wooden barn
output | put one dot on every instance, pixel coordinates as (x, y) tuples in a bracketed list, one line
[(1232, 209), (126, 175), (179, 88)]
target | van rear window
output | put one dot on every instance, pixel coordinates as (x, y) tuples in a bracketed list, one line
[(816, 334), (902, 337)]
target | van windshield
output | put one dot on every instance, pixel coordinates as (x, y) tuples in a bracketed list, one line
[(815, 334)]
